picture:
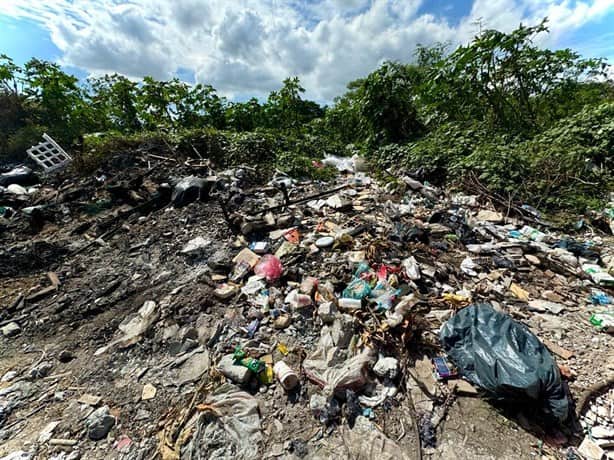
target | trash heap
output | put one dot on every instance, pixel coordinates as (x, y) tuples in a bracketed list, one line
[(293, 318)]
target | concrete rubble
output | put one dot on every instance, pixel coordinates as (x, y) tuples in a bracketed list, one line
[(159, 308)]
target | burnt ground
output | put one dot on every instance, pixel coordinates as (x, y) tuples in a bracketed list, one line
[(114, 244)]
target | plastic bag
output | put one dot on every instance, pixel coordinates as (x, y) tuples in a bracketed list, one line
[(270, 267), (504, 358), (190, 189), (357, 289), (230, 425), (21, 175)]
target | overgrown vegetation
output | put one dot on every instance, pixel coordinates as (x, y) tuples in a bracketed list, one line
[(531, 124)]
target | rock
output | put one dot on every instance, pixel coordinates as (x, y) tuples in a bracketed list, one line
[(75, 412), (463, 387), (11, 329), (47, 432), (18, 455), (590, 449), (89, 399), (327, 312), (188, 345), (424, 373), (546, 306), (234, 372), (386, 367), (193, 368), (149, 392), (532, 259), (489, 216), (552, 296), (282, 322), (325, 242), (196, 246), (10, 375), (520, 293), (65, 356), (42, 370), (99, 423), (142, 414)]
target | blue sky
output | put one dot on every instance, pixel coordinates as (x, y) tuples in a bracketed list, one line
[(247, 47)]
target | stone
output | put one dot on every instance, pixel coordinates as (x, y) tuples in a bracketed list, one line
[(327, 312), (424, 374), (10, 375), (489, 216), (193, 368), (463, 387), (196, 246), (99, 423), (65, 356), (41, 370), (552, 296), (282, 322), (149, 392), (142, 414), (235, 372), (546, 306), (89, 399), (534, 260), (11, 329), (520, 293), (47, 432)]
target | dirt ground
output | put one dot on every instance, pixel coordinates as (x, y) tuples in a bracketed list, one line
[(104, 281)]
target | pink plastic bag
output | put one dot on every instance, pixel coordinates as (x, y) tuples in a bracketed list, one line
[(270, 267)]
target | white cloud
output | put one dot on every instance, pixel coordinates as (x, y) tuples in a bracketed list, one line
[(248, 47)]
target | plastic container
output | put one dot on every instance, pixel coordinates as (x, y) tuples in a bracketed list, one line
[(286, 376)]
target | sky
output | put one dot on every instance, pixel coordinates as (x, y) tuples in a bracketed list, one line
[(246, 48)]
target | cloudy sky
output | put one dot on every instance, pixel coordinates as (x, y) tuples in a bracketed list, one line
[(247, 47)]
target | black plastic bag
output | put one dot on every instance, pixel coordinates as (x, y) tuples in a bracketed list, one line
[(190, 189), (21, 175), (504, 358)]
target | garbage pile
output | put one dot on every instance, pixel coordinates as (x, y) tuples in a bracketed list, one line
[(188, 313)]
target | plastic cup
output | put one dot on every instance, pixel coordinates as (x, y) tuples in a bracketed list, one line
[(286, 376)]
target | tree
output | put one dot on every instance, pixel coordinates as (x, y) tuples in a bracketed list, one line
[(114, 98), (385, 104), (286, 109), (244, 116), (56, 100), (13, 113), (504, 79), (198, 105)]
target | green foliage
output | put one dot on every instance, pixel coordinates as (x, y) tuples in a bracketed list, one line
[(244, 116), (114, 99), (285, 109), (531, 124), (57, 100), (506, 81), (386, 106), (378, 109)]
